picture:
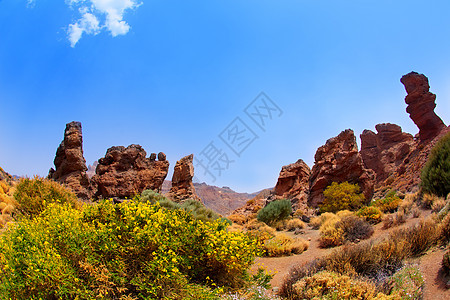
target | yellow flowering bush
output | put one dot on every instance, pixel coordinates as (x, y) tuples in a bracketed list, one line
[(132, 250)]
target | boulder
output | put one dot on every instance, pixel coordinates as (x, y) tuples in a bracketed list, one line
[(70, 165), (182, 186), (293, 184), (338, 161), (385, 151), (125, 172), (421, 105)]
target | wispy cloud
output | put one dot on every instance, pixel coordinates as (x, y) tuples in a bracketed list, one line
[(96, 16)]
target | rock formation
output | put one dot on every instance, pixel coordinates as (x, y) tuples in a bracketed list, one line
[(421, 104), (70, 164), (125, 172), (293, 184), (338, 161), (385, 150), (182, 186), (5, 176)]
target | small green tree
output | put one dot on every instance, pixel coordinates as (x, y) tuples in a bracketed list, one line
[(436, 173), (341, 196), (275, 211)]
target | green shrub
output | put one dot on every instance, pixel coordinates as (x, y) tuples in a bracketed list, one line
[(341, 196), (436, 173), (196, 208), (371, 214), (131, 250), (275, 211), (34, 195)]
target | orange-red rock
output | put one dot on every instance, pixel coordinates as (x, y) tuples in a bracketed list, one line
[(125, 172), (293, 184), (338, 161), (182, 186), (70, 164), (385, 150), (421, 104)]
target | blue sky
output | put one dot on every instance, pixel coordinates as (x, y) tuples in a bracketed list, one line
[(172, 75)]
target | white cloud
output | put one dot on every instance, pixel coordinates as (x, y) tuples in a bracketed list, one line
[(98, 15), (88, 23)]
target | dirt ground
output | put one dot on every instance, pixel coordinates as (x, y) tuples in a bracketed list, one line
[(430, 263)]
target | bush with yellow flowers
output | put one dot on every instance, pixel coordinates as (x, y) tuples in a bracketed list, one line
[(132, 250)]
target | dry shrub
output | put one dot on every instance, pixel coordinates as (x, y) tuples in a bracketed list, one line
[(8, 209), (428, 200), (415, 211), (238, 219), (260, 230), (331, 285), (299, 213), (335, 231), (282, 244), (371, 259), (446, 262), (419, 237), (316, 222), (3, 205), (394, 219), (235, 228), (438, 205), (355, 228), (294, 224), (445, 229)]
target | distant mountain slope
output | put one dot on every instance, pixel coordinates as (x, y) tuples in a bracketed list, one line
[(220, 199)]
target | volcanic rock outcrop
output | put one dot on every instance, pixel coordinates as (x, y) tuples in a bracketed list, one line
[(293, 184), (182, 186), (421, 104), (125, 172), (385, 151), (338, 161), (70, 164)]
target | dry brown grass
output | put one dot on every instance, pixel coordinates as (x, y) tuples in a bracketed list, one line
[(282, 244)]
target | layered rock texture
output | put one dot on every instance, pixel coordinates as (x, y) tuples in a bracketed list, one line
[(125, 172), (385, 151), (421, 105), (182, 186), (338, 161), (70, 165), (293, 184)]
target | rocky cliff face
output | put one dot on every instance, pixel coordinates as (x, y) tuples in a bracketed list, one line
[(124, 172), (421, 105), (338, 161), (182, 186), (385, 151), (70, 164), (293, 184)]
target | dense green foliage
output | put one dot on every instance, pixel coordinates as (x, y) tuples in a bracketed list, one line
[(436, 173), (33, 195), (342, 196), (196, 208), (275, 211), (132, 250)]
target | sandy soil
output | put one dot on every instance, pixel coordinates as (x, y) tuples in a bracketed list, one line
[(429, 263)]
